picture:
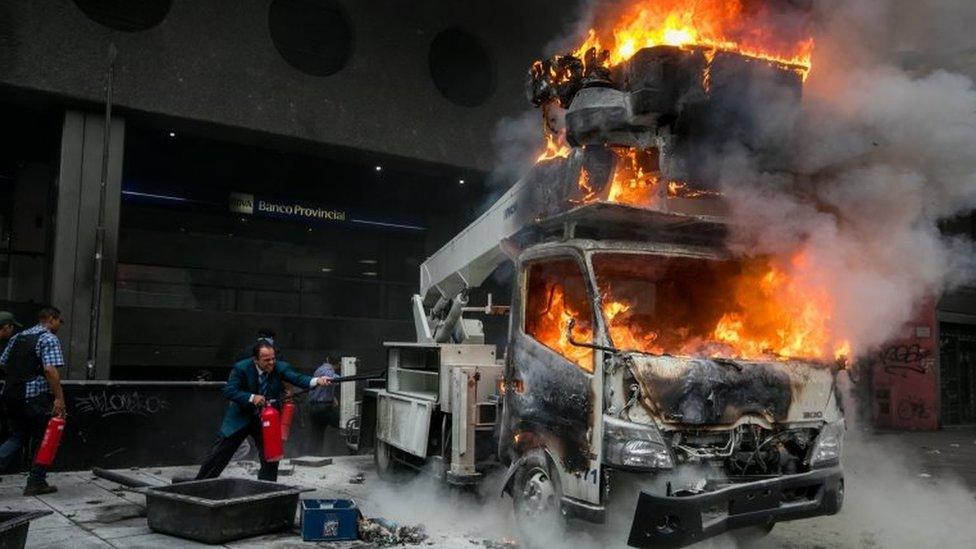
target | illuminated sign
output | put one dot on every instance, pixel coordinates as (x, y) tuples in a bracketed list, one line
[(264, 207)]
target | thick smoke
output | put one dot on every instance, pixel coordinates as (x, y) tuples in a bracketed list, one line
[(883, 155)]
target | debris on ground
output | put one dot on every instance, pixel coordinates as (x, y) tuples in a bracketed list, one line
[(500, 544), (108, 514), (384, 532), (358, 479), (311, 461)]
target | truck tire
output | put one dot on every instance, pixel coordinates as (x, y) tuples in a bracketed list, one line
[(386, 466), (536, 497)]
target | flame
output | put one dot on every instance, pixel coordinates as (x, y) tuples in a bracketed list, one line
[(720, 25), (584, 185), (759, 310), (636, 181), (680, 189), (556, 147), (780, 315), (631, 183), (549, 323)]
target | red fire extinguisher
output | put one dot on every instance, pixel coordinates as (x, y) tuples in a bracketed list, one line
[(271, 434), (287, 414), (49, 444)]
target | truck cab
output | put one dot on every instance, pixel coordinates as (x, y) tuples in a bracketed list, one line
[(609, 374)]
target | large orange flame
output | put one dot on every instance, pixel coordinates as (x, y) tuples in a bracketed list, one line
[(753, 309), (725, 25)]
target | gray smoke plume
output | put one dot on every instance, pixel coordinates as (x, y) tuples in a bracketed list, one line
[(883, 155)]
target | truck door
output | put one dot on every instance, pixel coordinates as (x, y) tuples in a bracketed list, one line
[(559, 406)]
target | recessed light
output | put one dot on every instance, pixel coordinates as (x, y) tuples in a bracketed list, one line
[(326, 269), (172, 134), (379, 168), (368, 261), (460, 182), (370, 273)]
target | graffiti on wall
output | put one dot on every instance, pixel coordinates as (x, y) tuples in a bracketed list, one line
[(899, 358), (106, 404), (912, 408)]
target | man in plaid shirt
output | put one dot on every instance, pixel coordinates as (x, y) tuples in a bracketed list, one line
[(32, 392)]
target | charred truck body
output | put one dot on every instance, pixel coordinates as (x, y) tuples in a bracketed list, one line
[(612, 366)]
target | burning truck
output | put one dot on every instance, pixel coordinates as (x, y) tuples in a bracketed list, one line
[(637, 345)]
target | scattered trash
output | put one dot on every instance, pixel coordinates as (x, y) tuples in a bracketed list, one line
[(358, 479), (933, 452), (925, 475), (954, 445), (385, 533)]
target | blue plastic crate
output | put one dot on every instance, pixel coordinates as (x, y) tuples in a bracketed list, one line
[(329, 520)]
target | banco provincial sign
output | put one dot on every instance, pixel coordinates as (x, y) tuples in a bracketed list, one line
[(282, 209)]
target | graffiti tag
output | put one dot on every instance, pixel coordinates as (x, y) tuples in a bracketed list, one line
[(109, 404), (912, 408), (905, 357)]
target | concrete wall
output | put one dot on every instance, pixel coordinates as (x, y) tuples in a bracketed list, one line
[(76, 223), (214, 61)]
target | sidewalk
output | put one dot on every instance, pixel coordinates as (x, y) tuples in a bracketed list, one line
[(89, 512)]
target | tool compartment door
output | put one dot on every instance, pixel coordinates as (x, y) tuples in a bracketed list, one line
[(403, 422)]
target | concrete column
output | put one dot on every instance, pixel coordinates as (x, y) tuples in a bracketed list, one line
[(76, 222), (347, 394)]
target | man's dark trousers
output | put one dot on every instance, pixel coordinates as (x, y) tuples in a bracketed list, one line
[(223, 450), (28, 421)]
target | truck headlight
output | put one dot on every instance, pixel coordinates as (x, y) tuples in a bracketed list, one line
[(829, 446), (634, 446)]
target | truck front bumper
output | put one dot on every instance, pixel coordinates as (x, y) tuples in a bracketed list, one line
[(677, 521)]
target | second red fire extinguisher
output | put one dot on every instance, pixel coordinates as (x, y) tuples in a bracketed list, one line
[(271, 434), (287, 414), (49, 444)]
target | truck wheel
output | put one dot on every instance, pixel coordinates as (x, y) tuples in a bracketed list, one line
[(386, 466), (535, 496)]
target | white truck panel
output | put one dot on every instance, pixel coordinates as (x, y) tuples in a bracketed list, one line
[(403, 422)]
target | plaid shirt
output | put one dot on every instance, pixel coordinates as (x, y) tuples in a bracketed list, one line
[(48, 349)]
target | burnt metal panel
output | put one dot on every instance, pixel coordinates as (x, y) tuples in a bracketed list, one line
[(706, 392), (555, 408)]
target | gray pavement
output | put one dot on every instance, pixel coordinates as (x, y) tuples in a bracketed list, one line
[(903, 490)]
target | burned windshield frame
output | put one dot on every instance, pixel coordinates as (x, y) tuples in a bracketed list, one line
[(580, 274)]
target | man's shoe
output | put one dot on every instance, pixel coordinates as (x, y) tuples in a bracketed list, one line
[(39, 489)]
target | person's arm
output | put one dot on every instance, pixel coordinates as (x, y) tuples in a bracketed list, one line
[(299, 379), (54, 381), (6, 353), (234, 389), (49, 351)]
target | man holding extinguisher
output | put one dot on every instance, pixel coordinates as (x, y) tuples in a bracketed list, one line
[(32, 392), (253, 384)]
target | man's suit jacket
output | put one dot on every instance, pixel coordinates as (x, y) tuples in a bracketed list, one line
[(243, 382)]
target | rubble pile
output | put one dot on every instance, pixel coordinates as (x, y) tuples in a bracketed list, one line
[(385, 533)]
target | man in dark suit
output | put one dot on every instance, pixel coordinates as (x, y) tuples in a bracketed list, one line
[(252, 384)]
